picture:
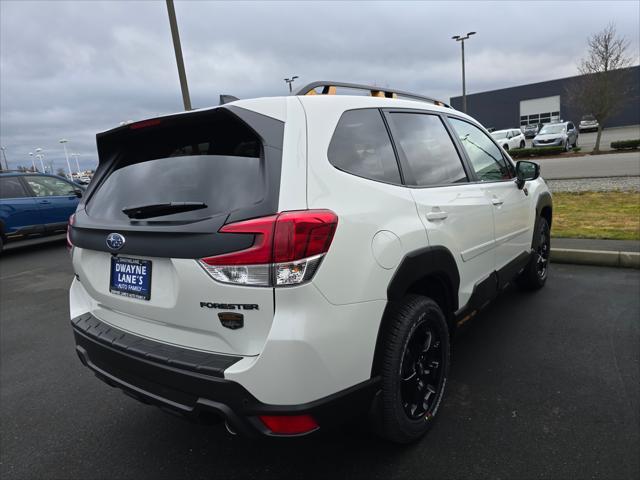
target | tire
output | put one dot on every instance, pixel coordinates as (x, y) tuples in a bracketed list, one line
[(566, 145), (413, 386), (575, 143), (535, 274), (522, 144)]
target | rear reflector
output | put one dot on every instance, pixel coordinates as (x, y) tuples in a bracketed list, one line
[(289, 424), (287, 249)]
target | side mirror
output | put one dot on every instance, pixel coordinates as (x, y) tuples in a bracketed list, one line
[(78, 193), (526, 171)]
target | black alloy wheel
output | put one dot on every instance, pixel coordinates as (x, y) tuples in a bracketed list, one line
[(534, 276), (542, 253), (421, 370), (414, 365)]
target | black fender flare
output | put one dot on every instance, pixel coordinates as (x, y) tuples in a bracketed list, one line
[(436, 260), (544, 200)]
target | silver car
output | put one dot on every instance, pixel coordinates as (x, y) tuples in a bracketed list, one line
[(588, 124), (563, 134)]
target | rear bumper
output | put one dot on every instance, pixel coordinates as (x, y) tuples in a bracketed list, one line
[(191, 383)]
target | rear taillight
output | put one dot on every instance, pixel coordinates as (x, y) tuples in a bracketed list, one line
[(287, 249), (72, 220)]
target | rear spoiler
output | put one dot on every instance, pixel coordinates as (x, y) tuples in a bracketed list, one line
[(227, 99), (109, 142)]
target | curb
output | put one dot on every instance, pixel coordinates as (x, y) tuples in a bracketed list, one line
[(600, 258)]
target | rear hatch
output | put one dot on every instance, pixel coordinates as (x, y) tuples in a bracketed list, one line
[(163, 190)]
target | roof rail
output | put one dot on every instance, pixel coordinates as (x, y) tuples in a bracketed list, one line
[(329, 88)]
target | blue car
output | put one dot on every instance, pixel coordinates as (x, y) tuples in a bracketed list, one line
[(35, 204)]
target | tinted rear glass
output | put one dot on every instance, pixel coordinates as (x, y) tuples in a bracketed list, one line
[(361, 145), (217, 162), (428, 149), (10, 187)]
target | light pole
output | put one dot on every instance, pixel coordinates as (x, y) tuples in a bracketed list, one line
[(76, 155), (63, 141), (461, 39), (33, 162), (4, 155), (40, 156), (289, 81), (175, 35)]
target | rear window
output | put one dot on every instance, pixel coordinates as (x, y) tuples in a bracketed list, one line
[(10, 187), (217, 162)]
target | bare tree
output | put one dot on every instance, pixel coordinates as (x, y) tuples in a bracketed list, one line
[(606, 83)]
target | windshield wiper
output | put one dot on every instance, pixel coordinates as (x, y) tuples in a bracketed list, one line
[(159, 209)]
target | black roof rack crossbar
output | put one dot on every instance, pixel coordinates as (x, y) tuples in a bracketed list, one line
[(329, 88)]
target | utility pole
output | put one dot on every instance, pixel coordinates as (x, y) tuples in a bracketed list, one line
[(289, 81), (179, 60), (461, 39), (40, 156), (64, 141), (76, 155), (4, 155)]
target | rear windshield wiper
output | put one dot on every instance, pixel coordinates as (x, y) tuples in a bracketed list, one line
[(159, 209)]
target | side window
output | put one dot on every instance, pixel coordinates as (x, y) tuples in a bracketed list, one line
[(49, 186), (429, 151), (361, 145), (485, 156), (11, 187), (569, 126)]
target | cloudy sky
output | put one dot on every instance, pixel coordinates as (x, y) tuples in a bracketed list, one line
[(71, 69)]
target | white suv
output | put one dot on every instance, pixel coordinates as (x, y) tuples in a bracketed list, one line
[(288, 263), (513, 138)]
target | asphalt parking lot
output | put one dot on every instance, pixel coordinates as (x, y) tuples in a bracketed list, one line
[(543, 385)]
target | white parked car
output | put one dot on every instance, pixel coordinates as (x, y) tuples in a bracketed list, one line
[(297, 261), (511, 138), (588, 124)]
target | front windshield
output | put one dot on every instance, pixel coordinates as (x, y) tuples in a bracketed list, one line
[(502, 134), (588, 118), (552, 129)]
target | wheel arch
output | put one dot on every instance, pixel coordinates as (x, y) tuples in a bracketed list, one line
[(430, 271), (544, 207)]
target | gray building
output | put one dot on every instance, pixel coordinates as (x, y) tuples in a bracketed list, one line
[(541, 102)]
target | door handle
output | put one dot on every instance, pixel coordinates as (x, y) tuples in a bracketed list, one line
[(437, 215), (45, 202), (497, 201)]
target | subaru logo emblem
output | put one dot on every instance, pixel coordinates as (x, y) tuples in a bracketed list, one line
[(115, 241)]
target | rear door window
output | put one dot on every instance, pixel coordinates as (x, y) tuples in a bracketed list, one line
[(361, 146), (11, 187), (427, 148)]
